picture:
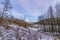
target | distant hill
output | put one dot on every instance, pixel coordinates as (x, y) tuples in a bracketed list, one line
[(49, 21), (44, 16), (21, 22), (14, 21)]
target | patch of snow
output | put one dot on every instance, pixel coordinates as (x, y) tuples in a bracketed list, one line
[(34, 29), (18, 32)]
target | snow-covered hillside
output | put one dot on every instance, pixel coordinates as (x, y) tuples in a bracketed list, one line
[(16, 32)]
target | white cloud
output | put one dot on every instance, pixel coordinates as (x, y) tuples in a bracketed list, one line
[(17, 14), (33, 7), (55, 1)]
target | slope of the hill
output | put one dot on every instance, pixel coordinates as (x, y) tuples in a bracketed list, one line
[(49, 21), (14, 21)]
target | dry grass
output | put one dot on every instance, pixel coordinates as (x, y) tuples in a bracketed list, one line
[(5, 22)]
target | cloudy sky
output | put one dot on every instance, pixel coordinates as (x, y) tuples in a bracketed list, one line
[(31, 9)]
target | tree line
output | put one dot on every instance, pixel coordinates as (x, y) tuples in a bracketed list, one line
[(53, 19)]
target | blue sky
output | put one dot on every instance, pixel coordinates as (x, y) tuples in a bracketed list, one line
[(30, 9)]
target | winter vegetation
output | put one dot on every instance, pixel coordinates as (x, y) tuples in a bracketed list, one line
[(6, 16), (47, 28), (52, 22)]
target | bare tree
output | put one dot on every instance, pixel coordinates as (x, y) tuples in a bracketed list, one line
[(57, 7), (50, 13), (6, 8)]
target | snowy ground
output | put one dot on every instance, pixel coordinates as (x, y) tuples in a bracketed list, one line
[(19, 33)]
